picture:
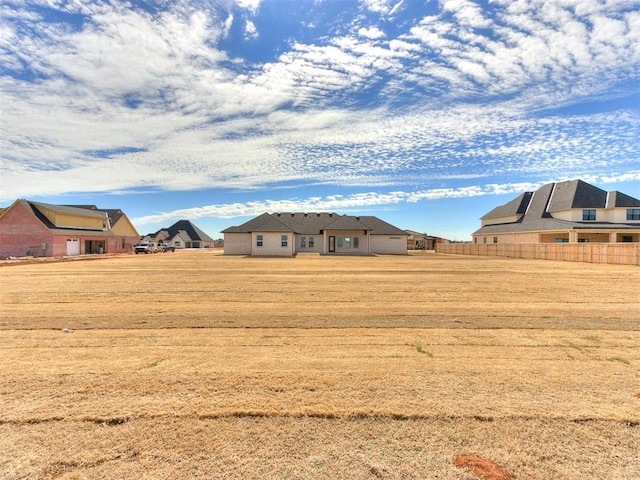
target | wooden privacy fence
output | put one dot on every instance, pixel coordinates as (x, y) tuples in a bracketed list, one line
[(612, 253)]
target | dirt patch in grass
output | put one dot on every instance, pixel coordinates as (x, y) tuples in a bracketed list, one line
[(482, 468)]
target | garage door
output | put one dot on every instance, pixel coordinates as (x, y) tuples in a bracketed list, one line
[(73, 246)]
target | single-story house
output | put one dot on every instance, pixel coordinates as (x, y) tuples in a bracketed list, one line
[(182, 234), (287, 234), (571, 211), (416, 240), (46, 230)]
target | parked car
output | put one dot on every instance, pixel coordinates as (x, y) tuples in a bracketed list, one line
[(145, 247), (166, 247)]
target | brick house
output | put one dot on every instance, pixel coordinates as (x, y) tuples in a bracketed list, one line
[(46, 230)]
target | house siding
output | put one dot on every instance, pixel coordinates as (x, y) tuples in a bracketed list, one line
[(347, 247), (389, 244), (272, 244), (318, 241), (237, 244)]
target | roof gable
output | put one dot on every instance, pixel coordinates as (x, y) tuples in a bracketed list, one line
[(380, 227), (194, 232), (576, 194), (314, 223), (248, 226), (346, 222), (271, 224), (617, 199), (517, 206)]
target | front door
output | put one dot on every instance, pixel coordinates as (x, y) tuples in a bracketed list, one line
[(332, 244)]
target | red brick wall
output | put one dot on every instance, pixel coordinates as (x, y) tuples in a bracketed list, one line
[(22, 232)]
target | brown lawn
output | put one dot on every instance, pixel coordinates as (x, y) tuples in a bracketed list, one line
[(196, 365)]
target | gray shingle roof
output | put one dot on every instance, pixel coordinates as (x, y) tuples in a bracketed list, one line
[(617, 199), (517, 206), (249, 226), (314, 223), (555, 197), (576, 194), (346, 222), (380, 227), (194, 232)]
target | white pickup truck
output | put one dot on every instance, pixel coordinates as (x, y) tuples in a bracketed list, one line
[(145, 247)]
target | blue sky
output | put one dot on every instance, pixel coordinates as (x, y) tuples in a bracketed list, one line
[(425, 113)]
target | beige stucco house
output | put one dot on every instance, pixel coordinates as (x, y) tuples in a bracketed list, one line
[(182, 234), (287, 234), (572, 211)]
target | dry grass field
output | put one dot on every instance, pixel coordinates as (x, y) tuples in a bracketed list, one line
[(196, 365)]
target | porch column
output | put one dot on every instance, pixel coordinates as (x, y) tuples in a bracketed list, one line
[(573, 236), (613, 237)]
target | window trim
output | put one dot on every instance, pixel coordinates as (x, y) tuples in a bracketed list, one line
[(633, 214)]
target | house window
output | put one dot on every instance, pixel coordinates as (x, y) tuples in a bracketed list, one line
[(259, 240), (583, 240), (495, 239), (633, 213), (284, 240), (484, 240), (123, 243), (356, 242), (588, 215), (177, 243), (627, 238), (339, 242), (347, 242), (311, 242), (303, 242), (561, 240)]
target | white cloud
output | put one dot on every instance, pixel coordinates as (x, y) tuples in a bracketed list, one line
[(250, 30), (130, 89), (251, 5), (333, 202), (372, 33), (380, 6)]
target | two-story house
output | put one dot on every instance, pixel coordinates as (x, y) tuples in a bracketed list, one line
[(571, 211)]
